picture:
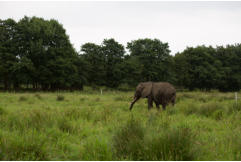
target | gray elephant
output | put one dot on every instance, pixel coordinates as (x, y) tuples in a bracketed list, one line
[(160, 92)]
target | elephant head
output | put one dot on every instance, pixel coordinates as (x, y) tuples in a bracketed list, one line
[(159, 92), (143, 90)]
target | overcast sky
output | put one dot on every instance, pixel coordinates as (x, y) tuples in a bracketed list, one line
[(181, 24)]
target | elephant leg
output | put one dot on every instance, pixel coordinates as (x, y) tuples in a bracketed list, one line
[(133, 102), (157, 105), (173, 101), (164, 106), (150, 103)]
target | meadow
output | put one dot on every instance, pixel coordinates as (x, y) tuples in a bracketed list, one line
[(86, 125)]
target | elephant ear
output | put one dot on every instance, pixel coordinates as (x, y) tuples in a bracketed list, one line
[(146, 91)]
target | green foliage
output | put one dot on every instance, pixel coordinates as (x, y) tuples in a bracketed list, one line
[(29, 147), (209, 108), (38, 96), (2, 111), (172, 144), (154, 59), (66, 125), (22, 98), (105, 129), (96, 149), (41, 55), (234, 107), (8, 52), (37, 54), (128, 141), (208, 68), (60, 98)]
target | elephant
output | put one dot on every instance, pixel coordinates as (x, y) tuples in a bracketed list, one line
[(159, 92)]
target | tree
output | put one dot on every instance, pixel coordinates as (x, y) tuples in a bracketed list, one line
[(8, 55), (46, 44), (154, 57), (132, 69), (230, 58), (198, 68), (91, 53), (114, 54)]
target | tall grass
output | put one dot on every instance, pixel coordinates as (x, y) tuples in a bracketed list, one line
[(128, 141), (171, 144), (89, 126)]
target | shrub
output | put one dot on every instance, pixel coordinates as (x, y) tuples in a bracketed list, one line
[(2, 111), (235, 107), (203, 99), (106, 113), (87, 113), (35, 118), (38, 96), (218, 115), (82, 98), (128, 141), (66, 126), (22, 98), (171, 110), (190, 108), (224, 98), (236, 145), (29, 147), (72, 113), (171, 144), (97, 99), (60, 98), (122, 98), (96, 149), (182, 96), (209, 108)]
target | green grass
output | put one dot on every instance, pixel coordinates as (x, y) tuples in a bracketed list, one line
[(89, 126)]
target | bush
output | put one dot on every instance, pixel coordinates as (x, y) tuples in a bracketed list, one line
[(128, 141), (22, 98), (218, 115), (125, 87), (235, 107), (97, 99), (29, 147), (236, 144), (60, 98), (122, 98), (209, 108), (171, 144), (66, 126), (82, 99), (96, 149), (2, 111), (171, 110), (72, 113), (190, 108), (38, 96), (34, 118), (203, 99)]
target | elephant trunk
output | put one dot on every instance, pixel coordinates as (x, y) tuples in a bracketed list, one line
[(133, 102)]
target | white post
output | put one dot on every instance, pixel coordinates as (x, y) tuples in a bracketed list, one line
[(236, 97), (101, 91)]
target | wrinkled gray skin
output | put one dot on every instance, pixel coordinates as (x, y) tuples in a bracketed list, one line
[(161, 93)]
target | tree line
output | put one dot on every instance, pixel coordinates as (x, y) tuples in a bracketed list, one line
[(37, 54)]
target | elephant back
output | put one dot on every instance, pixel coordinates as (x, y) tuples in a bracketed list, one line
[(163, 91)]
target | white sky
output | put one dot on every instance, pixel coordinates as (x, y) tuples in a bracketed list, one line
[(181, 24)]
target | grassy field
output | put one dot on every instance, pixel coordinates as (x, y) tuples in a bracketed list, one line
[(89, 126)]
